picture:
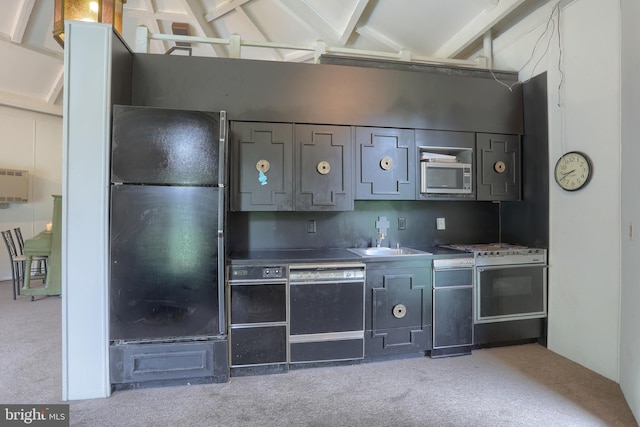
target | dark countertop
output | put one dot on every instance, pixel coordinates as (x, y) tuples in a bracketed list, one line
[(289, 256)]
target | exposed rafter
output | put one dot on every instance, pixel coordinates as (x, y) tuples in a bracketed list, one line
[(29, 103), (21, 20), (223, 9), (353, 21), (248, 22), (311, 19), (202, 27), (56, 88), (476, 28), (375, 35)]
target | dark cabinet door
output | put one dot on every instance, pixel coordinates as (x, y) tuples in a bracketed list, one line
[(385, 164), (323, 168), (164, 146), (498, 167), (452, 316), (261, 166), (398, 310), (164, 254)]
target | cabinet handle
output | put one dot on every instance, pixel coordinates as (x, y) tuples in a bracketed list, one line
[(399, 311), (499, 166), (323, 167), (386, 163), (263, 166)]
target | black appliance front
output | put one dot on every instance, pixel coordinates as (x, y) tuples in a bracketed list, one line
[(511, 292), (165, 146), (164, 262)]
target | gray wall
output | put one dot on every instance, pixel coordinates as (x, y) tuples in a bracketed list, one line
[(343, 95)]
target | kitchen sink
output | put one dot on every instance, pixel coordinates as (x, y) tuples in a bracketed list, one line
[(382, 252)]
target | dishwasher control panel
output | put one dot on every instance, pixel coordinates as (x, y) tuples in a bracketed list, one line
[(257, 272)]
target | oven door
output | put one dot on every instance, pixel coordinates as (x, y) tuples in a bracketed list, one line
[(510, 292)]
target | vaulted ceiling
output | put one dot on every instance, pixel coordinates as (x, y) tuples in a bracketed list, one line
[(31, 75)]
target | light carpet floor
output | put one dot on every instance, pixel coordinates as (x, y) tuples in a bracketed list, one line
[(523, 385)]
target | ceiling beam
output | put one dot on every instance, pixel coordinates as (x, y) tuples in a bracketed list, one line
[(370, 33), (223, 9), (56, 88), (161, 16), (308, 17), (22, 19), (29, 103), (202, 28), (353, 21), (261, 37), (476, 28), (299, 56)]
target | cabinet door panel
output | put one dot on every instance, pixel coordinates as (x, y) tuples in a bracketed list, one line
[(398, 310), (452, 317), (262, 166), (385, 164), (498, 161), (323, 169)]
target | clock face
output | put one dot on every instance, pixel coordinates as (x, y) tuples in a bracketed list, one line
[(573, 171)]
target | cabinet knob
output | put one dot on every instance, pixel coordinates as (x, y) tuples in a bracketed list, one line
[(323, 167), (499, 166), (386, 163), (263, 166), (399, 311)]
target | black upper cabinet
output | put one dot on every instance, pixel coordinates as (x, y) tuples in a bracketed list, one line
[(385, 164), (498, 163), (285, 167), (261, 166), (323, 168)]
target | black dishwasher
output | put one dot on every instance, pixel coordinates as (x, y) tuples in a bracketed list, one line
[(452, 306), (326, 312), (258, 319)]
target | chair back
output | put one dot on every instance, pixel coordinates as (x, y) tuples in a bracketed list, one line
[(11, 246), (19, 239)]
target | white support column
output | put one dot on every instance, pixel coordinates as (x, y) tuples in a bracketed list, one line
[(321, 49), (142, 39), (85, 208), (487, 48), (234, 46), (405, 55)]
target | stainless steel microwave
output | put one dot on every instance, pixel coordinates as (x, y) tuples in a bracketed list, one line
[(445, 178)]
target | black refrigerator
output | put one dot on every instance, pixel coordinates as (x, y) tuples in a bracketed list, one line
[(167, 222)]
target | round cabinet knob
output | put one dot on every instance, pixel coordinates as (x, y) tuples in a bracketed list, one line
[(500, 167), (399, 311), (323, 167), (386, 163), (263, 166)]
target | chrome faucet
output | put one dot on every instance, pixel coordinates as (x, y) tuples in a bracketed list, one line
[(382, 225)]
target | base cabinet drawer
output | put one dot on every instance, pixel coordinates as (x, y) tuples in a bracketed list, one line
[(322, 351), (258, 345), (157, 363)]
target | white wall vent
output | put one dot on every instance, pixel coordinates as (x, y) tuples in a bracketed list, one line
[(14, 186)]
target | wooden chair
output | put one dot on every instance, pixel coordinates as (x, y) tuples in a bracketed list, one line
[(17, 262)]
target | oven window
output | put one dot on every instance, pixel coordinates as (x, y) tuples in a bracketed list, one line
[(506, 291)]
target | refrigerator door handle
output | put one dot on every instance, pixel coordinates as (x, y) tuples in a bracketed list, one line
[(222, 173)]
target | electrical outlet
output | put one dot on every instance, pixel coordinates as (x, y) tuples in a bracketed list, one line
[(440, 224), (402, 223), (311, 226)]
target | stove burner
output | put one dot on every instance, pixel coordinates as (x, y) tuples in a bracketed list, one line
[(487, 247), (502, 253)]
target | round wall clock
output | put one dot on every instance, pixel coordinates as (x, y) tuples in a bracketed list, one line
[(573, 171)]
